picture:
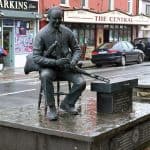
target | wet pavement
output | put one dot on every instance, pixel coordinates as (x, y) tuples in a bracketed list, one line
[(12, 74), (87, 126)]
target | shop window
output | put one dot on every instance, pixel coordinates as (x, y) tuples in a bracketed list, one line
[(8, 22), (148, 10), (119, 33), (111, 35), (106, 26), (116, 35), (91, 37), (24, 34)]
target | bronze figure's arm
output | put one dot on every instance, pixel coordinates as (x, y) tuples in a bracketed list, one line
[(50, 49)]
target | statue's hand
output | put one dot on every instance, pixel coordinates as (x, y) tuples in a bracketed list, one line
[(73, 64), (62, 62)]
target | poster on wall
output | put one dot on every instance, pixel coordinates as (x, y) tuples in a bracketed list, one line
[(23, 39)]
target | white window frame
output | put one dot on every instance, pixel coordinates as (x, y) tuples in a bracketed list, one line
[(85, 3), (66, 4), (147, 11), (130, 7), (111, 5)]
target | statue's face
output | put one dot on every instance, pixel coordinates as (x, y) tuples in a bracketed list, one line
[(56, 18)]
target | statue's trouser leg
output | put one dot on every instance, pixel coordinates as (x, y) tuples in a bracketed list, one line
[(79, 85), (47, 77)]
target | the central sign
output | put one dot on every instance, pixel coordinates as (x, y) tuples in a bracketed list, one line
[(112, 17)]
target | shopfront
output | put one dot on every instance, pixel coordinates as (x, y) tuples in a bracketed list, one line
[(93, 29), (18, 26)]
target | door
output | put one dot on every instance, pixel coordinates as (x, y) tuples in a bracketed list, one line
[(106, 35), (127, 51), (132, 53), (7, 44)]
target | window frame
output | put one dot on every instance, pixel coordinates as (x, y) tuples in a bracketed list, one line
[(85, 3), (66, 3), (147, 11), (130, 9)]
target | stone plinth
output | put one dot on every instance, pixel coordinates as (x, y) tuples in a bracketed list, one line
[(25, 128), (114, 97)]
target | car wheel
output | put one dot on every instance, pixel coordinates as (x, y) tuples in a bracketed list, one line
[(123, 61), (140, 59)]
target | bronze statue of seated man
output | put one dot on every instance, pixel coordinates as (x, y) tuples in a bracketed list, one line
[(59, 62)]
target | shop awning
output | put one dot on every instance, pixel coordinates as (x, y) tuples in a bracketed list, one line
[(19, 14), (111, 17)]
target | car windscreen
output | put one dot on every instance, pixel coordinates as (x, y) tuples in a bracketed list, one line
[(106, 46)]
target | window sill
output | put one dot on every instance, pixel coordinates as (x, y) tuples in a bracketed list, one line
[(65, 5), (85, 7)]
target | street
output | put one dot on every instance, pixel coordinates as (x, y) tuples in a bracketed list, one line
[(24, 91)]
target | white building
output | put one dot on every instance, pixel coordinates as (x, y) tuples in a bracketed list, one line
[(144, 9)]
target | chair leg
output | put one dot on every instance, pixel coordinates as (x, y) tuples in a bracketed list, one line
[(40, 97), (69, 85), (45, 108), (58, 93)]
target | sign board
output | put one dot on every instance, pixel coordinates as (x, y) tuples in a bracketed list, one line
[(19, 5), (112, 17)]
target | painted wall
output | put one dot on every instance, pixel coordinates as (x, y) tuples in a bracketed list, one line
[(144, 31), (94, 5), (123, 6), (142, 6)]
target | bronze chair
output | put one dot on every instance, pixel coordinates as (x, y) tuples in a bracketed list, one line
[(58, 93)]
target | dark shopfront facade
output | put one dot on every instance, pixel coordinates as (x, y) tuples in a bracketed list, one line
[(19, 21), (93, 29)]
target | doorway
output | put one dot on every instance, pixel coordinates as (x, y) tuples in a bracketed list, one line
[(7, 45), (106, 35)]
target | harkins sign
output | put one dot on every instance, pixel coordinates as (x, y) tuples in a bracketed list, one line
[(112, 17), (23, 5)]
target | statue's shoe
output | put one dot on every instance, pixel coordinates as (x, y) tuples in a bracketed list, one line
[(69, 109), (52, 114)]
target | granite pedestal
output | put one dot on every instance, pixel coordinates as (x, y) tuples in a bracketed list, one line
[(26, 128), (114, 97)]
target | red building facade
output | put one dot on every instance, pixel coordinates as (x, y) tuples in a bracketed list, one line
[(93, 5), (97, 21)]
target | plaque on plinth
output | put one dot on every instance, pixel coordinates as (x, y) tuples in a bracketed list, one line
[(114, 97)]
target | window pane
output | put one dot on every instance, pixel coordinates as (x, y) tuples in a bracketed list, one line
[(8, 22), (129, 6), (111, 35), (85, 3), (63, 1), (0, 33), (118, 46), (148, 10)]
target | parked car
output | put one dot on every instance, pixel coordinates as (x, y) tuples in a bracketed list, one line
[(119, 53), (146, 48)]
